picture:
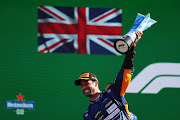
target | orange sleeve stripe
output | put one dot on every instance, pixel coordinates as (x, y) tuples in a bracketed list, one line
[(127, 110), (126, 81)]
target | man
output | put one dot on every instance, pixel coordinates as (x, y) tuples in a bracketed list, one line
[(109, 104)]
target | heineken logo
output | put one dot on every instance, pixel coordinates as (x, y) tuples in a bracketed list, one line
[(156, 77), (20, 104)]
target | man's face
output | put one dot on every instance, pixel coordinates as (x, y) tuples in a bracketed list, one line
[(88, 87)]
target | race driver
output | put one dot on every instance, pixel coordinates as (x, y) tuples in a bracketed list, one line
[(109, 104)]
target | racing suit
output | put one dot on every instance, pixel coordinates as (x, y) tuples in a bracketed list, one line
[(111, 104)]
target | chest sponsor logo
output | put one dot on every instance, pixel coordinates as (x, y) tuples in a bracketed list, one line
[(111, 108), (108, 104), (98, 113)]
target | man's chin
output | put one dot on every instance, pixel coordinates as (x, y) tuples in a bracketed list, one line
[(88, 94)]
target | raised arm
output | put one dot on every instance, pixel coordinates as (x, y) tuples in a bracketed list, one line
[(124, 76)]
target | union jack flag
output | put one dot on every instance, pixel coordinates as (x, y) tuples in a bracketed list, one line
[(80, 30)]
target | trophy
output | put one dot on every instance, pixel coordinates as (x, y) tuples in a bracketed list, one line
[(141, 23)]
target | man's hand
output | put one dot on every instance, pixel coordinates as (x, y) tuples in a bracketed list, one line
[(138, 33)]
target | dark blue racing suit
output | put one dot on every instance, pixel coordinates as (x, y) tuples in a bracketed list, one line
[(111, 104)]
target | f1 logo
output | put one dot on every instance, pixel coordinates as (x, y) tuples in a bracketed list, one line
[(155, 77)]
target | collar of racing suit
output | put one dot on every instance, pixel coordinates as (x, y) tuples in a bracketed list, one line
[(97, 99)]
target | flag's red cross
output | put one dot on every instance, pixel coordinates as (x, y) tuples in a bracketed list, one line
[(82, 29)]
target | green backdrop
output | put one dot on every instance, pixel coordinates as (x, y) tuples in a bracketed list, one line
[(48, 79)]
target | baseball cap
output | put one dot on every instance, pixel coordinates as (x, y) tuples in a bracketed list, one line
[(86, 76)]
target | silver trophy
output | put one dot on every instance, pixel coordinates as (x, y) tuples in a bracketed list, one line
[(141, 23)]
